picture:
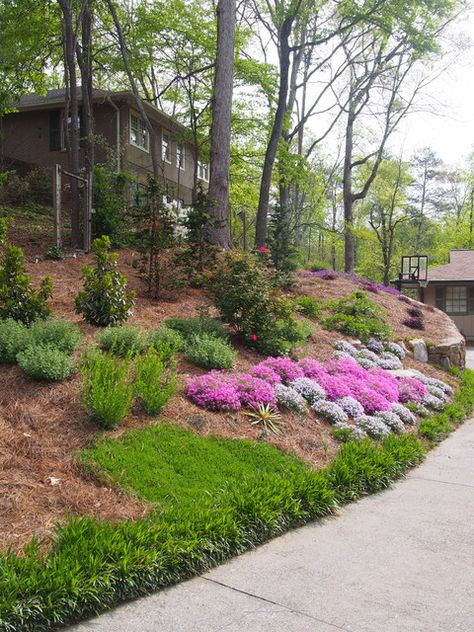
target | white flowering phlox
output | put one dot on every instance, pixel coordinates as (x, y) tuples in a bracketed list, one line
[(347, 347), (437, 392), (373, 426), (290, 398), (365, 362), (308, 388), (433, 402), (330, 411), (351, 406), (392, 420), (367, 353), (396, 349), (356, 433), (375, 345), (404, 413), (389, 361), (339, 355)]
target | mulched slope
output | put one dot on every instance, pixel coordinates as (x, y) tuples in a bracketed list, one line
[(42, 426)]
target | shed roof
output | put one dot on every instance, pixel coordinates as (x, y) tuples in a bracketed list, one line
[(459, 268)]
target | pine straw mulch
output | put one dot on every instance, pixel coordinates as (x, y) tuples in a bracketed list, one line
[(42, 426)]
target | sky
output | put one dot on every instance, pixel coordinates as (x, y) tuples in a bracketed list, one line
[(450, 130)]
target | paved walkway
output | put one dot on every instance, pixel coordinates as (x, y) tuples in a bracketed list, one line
[(400, 561)]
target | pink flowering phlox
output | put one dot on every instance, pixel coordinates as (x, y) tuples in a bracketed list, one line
[(312, 368), (213, 391), (253, 391), (335, 387), (371, 400), (284, 367), (265, 373), (346, 366), (411, 390)]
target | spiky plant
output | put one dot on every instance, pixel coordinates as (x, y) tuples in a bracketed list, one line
[(266, 416)]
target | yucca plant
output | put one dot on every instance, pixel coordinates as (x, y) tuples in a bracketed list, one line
[(266, 416)]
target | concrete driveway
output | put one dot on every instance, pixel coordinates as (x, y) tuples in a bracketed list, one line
[(400, 561)]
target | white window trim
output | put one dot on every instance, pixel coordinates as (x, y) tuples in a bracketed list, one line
[(201, 166), (163, 134), (181, 166), (137, 116)]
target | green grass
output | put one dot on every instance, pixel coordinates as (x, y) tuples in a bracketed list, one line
[(216, 498), (168, 465)]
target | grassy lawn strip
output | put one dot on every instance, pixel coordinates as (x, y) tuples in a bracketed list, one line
[(216, 499)]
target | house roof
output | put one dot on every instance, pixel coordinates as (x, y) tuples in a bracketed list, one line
[(57, 97), (459, 268)]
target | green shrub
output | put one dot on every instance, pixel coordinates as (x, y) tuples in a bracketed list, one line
[(209, 353), (14, 337), (122, 340), (154, 384), (309, 306), (56, 253), (107, 389), (245, 293), (166, 342), (45, 362), (105, 299), (61, 334), (197, 325), (18, 299), (357, 316)]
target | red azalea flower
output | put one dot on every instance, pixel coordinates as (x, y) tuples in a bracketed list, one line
[(253, 337), (263, 249)]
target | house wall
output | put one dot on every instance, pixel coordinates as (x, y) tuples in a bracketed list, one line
[(138, 161), (464, 322)]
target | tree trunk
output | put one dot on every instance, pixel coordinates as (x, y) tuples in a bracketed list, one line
[(71, 115), (218, 230), (277, 128), (349, 241), (85, 65)]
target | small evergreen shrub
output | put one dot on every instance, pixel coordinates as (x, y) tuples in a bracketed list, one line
[(122, 340), (166, 342), (45, 362), (154, 384), (414, 323), (414, 312), (209, 353), (107, 392), (14, 337), (357, 316), (309, 306), (197, 325), (55, 253), (18, 299), (246, 294), (61, 334), (105, 299)]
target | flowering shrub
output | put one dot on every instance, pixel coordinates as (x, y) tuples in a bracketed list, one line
[(346, 432), (373, 426), (347, 347), (213, 391), (284, 367), (265, 373), (380, 380), (396, 349), (371, 400), (392, 420), (252, 391), (389, 361), (290, 398), (351, 406), (432, 402), (374, 345), (327, 275), (431, 381), (308, 388), (346, 366), (404, 413), (330, 411), (437, 392), (312, 368), (340, 355), (411, 390)]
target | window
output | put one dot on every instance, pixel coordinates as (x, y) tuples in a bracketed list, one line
[(165, 147), (138, 132), (180, 157), (456, 300), (203, 171)]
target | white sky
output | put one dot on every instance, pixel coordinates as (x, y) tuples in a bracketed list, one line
[(450, 132)]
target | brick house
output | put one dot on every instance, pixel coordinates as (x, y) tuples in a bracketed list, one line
[(33, 136)]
